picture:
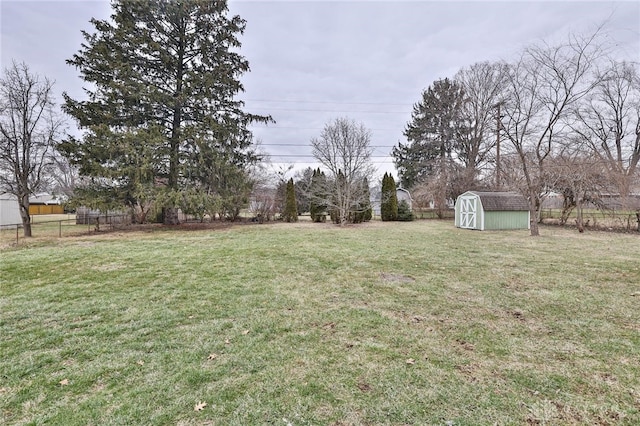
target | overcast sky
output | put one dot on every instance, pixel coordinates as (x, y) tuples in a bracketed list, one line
[(312, 62)]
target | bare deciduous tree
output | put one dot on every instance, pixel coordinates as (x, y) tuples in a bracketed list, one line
[(62, 176), (543, 86), (579, 177), (344, 149), (483, 85), (28, 130), (609, 123), (268, 193)]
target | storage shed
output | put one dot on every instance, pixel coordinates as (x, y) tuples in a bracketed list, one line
[(492, 210)]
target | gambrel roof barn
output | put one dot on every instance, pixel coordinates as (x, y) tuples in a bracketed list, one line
[(492, 210)]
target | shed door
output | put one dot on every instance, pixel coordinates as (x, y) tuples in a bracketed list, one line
[(468, 209)]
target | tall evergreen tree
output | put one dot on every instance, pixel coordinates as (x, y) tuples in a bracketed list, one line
[(362, 211), (435, 132), (290, 205), (388, 199), (317, 196), (366, 206), (163, 79)]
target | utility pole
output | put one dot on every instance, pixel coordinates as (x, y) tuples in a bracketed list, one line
[(498, 127)]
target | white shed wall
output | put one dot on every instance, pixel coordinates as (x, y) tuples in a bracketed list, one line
[(9, 211)]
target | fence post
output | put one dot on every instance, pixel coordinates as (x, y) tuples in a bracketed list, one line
[(17, 227), (60, 229)]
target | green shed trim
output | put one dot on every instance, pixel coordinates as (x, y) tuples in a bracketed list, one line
[(492, 210)]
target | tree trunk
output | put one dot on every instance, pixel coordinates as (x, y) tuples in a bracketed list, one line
[(24, 215), (533, 214), (579, 217), (170, 216)]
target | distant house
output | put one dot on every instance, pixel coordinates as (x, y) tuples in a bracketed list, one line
[(492, 210), (599, 201), (9, 210), (45, 203)]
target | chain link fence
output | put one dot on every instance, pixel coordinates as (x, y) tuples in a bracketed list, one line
[(72, 225), (627, 221)]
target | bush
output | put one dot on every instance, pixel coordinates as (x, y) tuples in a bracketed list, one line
[(404, 212)]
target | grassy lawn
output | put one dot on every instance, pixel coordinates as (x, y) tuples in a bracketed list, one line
[(301, 324)]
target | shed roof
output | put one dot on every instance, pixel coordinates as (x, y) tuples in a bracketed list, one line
[(502, 201)]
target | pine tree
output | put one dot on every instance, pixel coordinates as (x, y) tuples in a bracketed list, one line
[(388, 199), (162, 80), (368, 210), (384, 199), (290, 205), (363, 211), (313, 202), (404, 212), (317, 196), (393, 199), (434, 134)]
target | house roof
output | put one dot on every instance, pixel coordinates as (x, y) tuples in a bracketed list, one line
[(44, 198), (502, 201)]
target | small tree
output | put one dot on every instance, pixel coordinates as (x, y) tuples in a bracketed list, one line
[(290, 206), (368, 210), (302, 182), (28, 129), (317, 196), (362, 212), (388, 199), (344, 149), (404, 212)]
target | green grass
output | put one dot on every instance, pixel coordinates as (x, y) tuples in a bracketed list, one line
[(386, 323)]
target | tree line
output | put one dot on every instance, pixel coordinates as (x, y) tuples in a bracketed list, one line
[(561, 118), (163, 128)]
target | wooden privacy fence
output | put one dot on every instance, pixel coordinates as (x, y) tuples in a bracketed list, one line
[(37, 209)]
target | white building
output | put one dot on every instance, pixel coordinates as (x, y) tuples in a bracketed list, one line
[(9, 210)]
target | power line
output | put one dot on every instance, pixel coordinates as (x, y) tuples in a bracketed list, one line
[(309, 146), (333, 111), (323, 102), (312, 156), (257, 126)]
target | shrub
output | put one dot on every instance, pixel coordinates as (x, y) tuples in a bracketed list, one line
[(404, 212)]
